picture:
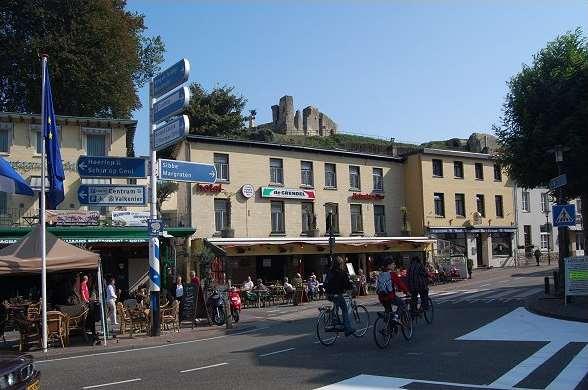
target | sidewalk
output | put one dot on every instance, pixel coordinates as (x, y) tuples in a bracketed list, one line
[(551, 306)]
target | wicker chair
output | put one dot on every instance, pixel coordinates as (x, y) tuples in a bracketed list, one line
[(171, 316), (124, 319), (77, 323), (57, 327), (34, 311), (30, 332), (3, 321)]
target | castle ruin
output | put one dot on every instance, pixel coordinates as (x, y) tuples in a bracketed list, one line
[(311, 122)]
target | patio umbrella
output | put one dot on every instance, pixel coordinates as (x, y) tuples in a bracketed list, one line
[(11, 181)]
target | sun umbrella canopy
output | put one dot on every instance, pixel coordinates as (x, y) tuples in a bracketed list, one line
[(11, 181)]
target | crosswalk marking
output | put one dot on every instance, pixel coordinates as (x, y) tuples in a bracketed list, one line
[(485, 295), (475, 295), (573, 373)]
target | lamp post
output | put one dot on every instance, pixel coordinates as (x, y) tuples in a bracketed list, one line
[(549, 234), (331, 238)]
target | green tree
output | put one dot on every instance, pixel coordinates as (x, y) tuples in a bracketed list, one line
[(98, 56), (547, 105), (218, 112)]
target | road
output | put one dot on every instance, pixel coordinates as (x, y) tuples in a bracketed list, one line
[(467, 346)]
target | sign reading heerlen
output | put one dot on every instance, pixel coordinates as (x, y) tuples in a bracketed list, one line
[(288, 193)]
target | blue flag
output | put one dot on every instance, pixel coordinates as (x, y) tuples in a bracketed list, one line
[(55, 174)]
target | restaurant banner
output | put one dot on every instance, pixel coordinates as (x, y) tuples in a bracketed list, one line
[(130, 218), (72, 218), (287, 193)]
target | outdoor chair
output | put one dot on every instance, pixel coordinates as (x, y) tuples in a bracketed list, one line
[(124, 319), (3, 321), (57, 327), (250, 298), (33, 311), (30, 332), (77, 323), (171, 316)]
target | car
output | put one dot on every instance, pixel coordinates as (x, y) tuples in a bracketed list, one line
[(18, 373)]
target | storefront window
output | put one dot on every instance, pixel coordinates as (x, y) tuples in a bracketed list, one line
[(501, 244)]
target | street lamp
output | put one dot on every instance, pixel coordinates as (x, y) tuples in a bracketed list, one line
[(546, 211), (331, 238)]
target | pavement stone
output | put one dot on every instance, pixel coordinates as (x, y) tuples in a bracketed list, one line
[(554, 307)]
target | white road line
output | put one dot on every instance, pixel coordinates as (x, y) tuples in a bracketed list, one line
[(449, 297), (527, 366), (529, 292), (467, 297), (112, 383), (504, 293), (485, 284), (276, 352), (573, 373), (151, 347), (204, 368)]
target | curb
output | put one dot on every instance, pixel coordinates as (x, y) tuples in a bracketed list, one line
[(533, 309)]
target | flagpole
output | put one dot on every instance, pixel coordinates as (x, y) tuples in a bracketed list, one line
[(42, 216)]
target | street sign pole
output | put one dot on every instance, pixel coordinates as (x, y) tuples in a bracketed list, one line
[(154, 275)]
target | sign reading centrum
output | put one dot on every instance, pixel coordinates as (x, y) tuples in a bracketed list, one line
[(288, 193), (108, 195)]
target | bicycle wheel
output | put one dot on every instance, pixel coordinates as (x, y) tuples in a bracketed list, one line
[(406, 324), (382, 331), (430, 312), (324, 321), (360, 320)]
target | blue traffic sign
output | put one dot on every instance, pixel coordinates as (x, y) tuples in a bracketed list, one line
[(125, 167), (172, 104), (112, 195), (154, 227), (171, 132), (564, 215), (186, 171), (171, 77), (558, 182)]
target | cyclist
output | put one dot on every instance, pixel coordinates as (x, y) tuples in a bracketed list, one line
[(418, 284), (338, 283), (385, 287)]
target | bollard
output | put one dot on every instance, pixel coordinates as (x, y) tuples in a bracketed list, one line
[(547, 285), (555, 281)]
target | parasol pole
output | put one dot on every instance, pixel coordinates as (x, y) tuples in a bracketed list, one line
[(42, 216), (101, 299)]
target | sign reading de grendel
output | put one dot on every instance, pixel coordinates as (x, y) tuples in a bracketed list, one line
[(288, 193), (360, 196)]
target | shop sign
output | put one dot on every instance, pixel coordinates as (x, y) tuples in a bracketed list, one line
[(72, 218), (130, 218), (247, 190), (211, 188), (361, 196), (288, 193)]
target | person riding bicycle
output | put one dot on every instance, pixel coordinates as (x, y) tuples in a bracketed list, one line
[(386, 287), (337, 283), (418, 284)]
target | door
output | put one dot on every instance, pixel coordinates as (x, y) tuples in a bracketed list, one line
[(480, 259)]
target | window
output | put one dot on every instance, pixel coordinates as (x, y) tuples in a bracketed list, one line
[(379, 220), (277, 210), (96, 144), (499, 206), (378, 178), (437, 168), (354, 180), (221, 163), (460, 205), (3, 203), (439, 200), (525, 201), (332, 214), (501, 244), (480, 205), (5, 130), (527, 237), (307, 217), (356, 219), (222, 217), (579, 241), (38, 142), (276, 171), (479, 171), (458, 169), (544, 202), (497, 172), (330, 175), (306, 174), (546, 236)]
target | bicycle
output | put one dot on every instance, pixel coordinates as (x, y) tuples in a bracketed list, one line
[(420, 313), (330, 324), (388, 323)]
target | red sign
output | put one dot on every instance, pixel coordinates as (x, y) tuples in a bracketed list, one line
[(360, 196), (213, 188)]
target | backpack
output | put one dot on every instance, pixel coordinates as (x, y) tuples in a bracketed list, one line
[(382, 286)]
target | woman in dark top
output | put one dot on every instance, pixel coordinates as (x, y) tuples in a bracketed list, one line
[(337, 284)]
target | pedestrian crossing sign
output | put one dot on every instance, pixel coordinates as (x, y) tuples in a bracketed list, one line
[(564, 215)]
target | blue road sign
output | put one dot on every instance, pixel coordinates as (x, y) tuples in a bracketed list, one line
[(171, 132), (564, 215), (109, 195), (171, 77), (126, 167), (154, 227), (186, 171), (172, 104), (557, 182)]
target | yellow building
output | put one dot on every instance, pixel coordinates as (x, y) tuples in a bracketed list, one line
[(267, 195), (464, 198)]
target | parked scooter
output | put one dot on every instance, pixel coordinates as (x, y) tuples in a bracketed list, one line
[(216, 308), (235, 303)]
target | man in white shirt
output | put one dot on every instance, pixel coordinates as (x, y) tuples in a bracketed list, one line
[(248, 285), (111, 301)]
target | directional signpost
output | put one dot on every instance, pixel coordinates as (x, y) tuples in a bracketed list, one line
[(112, 195), (564, 215), (186, 171), (558, 182), (161, 108), (120, 167), (171, 132)]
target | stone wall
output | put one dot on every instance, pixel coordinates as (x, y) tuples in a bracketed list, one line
[(311, 122)]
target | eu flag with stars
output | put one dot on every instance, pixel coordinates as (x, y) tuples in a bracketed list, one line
[(55, 175)]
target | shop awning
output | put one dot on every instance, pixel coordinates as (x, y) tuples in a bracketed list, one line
[(477, 229), (316, 245), (93, 234)]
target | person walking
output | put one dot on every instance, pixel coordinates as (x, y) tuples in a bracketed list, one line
[(111, 301), (84, 291), (537, 254), (337, 284), (195, 280), (470, 267), (418, 284)]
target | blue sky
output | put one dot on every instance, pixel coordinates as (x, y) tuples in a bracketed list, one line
[(412, 70)]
